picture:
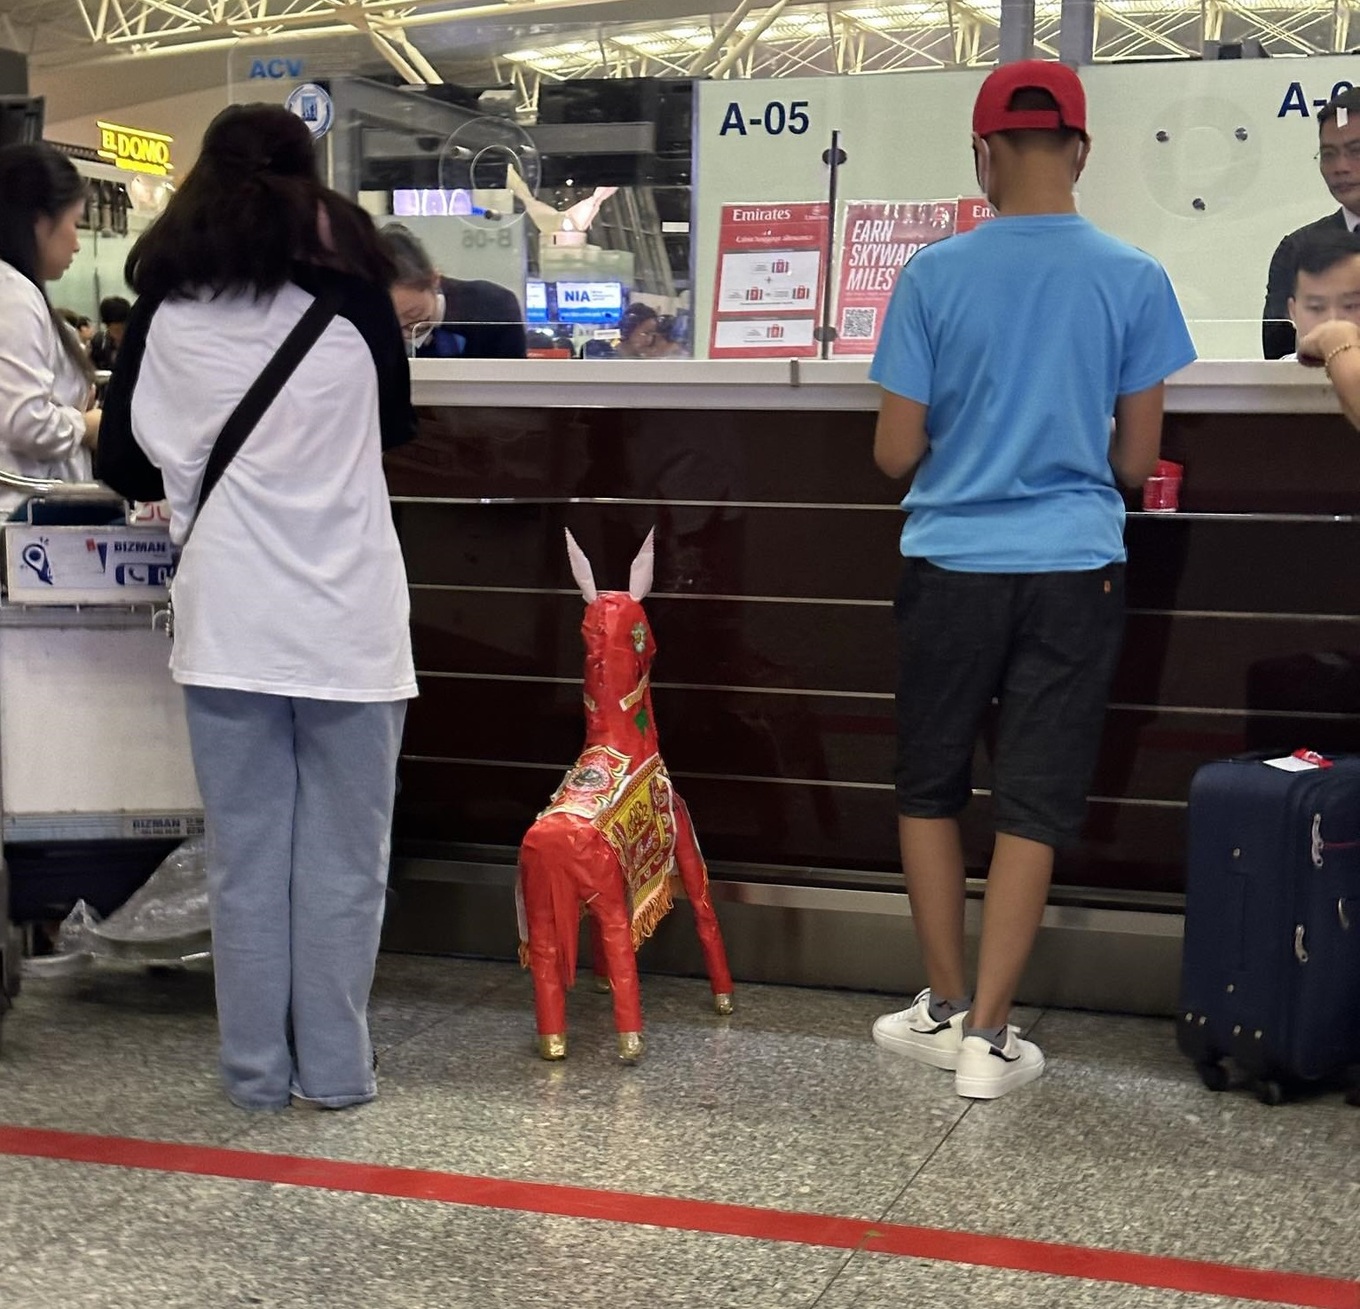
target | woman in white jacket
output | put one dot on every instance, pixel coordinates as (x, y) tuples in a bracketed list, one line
[(48, 424)]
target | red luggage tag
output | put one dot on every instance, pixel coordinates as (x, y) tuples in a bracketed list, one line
[(1312, 757)]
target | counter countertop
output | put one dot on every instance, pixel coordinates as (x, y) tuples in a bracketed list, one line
[(1209, 386)]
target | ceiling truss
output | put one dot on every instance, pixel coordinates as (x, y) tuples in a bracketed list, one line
[(832, 39), (753, 38)]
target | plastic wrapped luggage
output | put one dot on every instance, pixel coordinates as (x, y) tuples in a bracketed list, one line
[(1271, 968)]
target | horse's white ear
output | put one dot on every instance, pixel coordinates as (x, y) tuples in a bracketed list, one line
[(581, 570), (640, 575)]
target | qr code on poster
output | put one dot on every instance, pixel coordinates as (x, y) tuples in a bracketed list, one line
[(859, 324)]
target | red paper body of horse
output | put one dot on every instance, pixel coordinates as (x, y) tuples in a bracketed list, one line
[(615, 835)]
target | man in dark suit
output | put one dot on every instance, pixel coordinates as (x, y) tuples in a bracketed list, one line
[(444, 318), (1339, 161)]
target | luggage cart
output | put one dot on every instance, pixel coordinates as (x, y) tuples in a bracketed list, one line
[(96, 778)]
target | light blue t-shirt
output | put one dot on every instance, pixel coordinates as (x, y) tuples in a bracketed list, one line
[(1019, 336)]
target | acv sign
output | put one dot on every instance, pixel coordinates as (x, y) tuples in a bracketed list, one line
[(135, 150), (276, 69)]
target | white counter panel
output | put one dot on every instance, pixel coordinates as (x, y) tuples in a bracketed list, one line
[(1211, 386), (92, 731)]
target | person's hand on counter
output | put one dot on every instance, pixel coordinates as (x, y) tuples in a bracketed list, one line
[(1335, 335), (92, 420), (1335, 346)]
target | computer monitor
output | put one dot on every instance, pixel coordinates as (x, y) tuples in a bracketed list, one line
[(536, 302), (412, 203), (21, 119), (599, 303)]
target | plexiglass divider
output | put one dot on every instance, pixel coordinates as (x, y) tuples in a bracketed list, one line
[(1208, 166), (746, 253)]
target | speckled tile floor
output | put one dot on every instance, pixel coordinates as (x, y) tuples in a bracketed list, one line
[(786, 1106)]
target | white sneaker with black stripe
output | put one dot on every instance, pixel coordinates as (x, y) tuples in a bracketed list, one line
[(984, 1072), (914, 1033)]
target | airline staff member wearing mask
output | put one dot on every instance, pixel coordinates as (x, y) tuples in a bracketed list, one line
[(443, 318)]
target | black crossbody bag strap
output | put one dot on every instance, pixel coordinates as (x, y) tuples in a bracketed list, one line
[(265, 389)]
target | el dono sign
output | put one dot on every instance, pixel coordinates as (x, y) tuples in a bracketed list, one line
[(135, 150)]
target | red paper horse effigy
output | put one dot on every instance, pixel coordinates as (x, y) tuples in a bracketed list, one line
[(615, 835)]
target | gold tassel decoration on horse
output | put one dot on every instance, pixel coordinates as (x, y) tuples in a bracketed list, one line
[(650, 918)]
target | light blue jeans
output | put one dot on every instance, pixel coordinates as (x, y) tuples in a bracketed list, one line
[(298, 798)]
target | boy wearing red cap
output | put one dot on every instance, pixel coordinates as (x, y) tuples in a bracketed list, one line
[(1004, 355)]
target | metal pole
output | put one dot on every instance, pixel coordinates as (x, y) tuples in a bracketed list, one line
[(833, 158), (1077, 34), (751, 37), (1017, 31), (733, 22), (389, 52), (428, 73)]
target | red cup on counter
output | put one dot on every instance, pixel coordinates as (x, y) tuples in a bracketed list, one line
[(1162, 491)]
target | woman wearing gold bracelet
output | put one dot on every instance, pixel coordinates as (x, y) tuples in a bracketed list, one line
[(1335, 345)]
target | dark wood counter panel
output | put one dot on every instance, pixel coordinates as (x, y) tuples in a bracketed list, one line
[(776, 563)]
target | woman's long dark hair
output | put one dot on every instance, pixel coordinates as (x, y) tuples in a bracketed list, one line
[(37, 181), (252, 206)]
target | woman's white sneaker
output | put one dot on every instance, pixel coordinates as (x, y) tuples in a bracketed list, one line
[(914, 1033), (984, 1073)]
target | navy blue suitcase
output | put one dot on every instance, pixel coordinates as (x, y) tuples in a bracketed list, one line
[(1270, 976)]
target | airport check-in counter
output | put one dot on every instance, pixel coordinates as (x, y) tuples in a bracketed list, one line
[(776, 563)]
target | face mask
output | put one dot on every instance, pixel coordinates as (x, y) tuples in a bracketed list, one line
[(1082, 157), (426, 330), (982, 164)]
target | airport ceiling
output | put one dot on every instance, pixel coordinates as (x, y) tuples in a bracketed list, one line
[(525, 41)]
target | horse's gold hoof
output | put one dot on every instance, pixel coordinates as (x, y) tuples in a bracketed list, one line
[(602, 984), (553, 1046), (630, 1046), (723, 1003)]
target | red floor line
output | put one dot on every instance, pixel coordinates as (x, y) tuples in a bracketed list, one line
[(1226, 1280)]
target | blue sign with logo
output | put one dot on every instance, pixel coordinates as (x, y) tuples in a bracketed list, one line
[(314, 106), (35, 557)]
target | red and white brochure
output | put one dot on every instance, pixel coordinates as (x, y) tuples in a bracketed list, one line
[(771, 258)]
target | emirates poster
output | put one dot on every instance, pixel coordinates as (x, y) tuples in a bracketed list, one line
[(771, 259)]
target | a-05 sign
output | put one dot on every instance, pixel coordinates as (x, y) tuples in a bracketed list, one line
[(774, 119), (1296, 102)]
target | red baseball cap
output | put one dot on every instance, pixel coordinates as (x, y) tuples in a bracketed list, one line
[(992, 110)]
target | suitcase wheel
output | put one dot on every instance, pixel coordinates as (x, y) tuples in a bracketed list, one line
[(1269, 1091), (1213, 1075)]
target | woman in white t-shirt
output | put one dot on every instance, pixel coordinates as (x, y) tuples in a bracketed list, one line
[(292, 635), (48, 424)]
